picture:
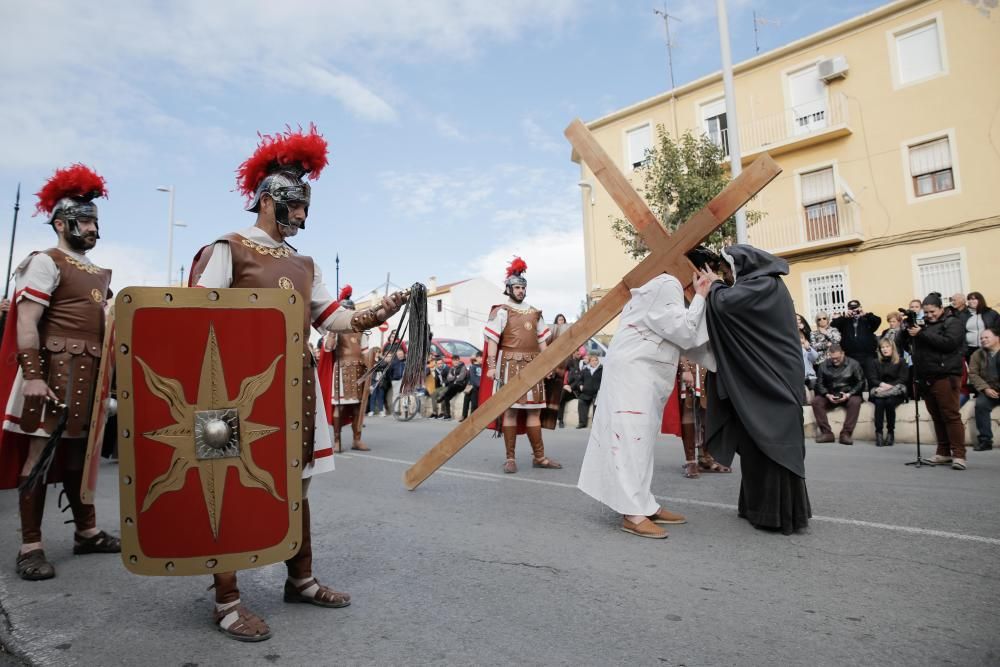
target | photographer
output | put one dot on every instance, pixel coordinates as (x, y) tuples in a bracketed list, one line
[(839, 381), (859, 338), (937, 348)]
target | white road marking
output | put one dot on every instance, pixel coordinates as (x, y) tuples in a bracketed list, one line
[(488, 476)]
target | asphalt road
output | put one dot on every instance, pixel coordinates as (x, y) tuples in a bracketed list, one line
[(899, 567)]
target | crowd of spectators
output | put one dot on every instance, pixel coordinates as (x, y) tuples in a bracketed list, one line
[(939, 352)]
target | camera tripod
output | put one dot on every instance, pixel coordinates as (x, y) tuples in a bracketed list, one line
[(920, 462)]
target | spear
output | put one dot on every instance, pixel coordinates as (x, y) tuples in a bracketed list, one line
[(13, 233)]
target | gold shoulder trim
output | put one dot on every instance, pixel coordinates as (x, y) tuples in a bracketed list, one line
[(278, 253), (89, 268)]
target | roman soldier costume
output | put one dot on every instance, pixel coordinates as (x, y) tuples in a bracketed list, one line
[(515, 334), (253, 258), (347, 396), (50, 434)]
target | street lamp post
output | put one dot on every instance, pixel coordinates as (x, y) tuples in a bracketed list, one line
[(170, 232)]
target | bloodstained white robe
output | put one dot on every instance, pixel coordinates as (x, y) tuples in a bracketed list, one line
[(639, 371)]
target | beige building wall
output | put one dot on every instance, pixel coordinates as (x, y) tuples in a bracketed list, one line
[(874, 239)]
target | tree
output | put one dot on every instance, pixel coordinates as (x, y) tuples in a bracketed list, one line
[(678, 178)]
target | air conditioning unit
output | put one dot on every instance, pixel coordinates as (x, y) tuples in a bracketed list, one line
[(832, 68)]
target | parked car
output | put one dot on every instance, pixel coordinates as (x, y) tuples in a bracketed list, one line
[(595, 346), (446, 348)]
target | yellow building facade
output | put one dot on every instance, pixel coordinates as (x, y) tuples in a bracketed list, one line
[(887, 128)]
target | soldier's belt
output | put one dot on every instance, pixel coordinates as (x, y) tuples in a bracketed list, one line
[(514, 355)]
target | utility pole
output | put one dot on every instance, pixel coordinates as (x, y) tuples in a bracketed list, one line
[(670, 60), (337, 262), (732, 131), (182, 275)]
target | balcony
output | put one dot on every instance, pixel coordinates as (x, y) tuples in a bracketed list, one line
[(828, 225), (794, 128)]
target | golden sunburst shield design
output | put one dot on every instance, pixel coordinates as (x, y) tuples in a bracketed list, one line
[(210, 439), (213, 414)]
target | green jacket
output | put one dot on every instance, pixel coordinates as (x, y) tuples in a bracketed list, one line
[(983, 373)]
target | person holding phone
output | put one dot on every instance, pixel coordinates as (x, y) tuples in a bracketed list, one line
[(839, 382)]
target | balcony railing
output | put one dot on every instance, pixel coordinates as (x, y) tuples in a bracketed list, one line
[(793, 127), (825, 225)]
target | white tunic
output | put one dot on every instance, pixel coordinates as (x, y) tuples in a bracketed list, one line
[(325, 315), (639, 371)]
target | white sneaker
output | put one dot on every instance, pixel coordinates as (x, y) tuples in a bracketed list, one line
[(958, 464), (369, 414), (937, 459)]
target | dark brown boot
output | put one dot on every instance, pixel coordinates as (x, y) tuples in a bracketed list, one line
[(510, 442), (538, 449)]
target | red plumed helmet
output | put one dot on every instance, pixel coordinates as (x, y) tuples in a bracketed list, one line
[(345, 292), (298, 153), (515, 273), (77, 182)]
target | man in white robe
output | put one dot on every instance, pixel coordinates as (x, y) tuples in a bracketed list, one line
[(639, 372)]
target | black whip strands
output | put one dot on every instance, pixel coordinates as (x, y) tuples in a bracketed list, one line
[(413, 323), (418, 344)]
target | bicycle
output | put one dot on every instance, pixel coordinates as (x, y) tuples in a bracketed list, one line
[(406, 406)]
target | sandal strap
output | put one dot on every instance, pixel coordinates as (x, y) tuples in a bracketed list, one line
[(327, 594), (247, 623)]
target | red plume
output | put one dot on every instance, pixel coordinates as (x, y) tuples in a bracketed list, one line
[(517, 267), (77, 181), (306, 150), (345, 292)]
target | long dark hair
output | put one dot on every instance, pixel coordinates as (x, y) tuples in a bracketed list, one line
[(982, 301), (805, 325), (556, 321)]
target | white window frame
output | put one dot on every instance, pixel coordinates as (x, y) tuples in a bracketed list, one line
[(844, 271), (701, 104), (837, 192), (786, 91), (626, 158), (943, 252), (956, 177), (893, 33)]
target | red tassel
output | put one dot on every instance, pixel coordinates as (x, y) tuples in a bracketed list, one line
[(308, 150), (77, 181), (517, 267)]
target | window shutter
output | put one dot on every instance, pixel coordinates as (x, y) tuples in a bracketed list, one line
[(942, 274), (919, 53), (639, 140), (818, 186), (827, 293), (929, 157), (713, 109)]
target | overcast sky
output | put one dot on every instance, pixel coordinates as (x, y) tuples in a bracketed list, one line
[(444, 119)]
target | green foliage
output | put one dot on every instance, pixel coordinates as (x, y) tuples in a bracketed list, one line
[(679, 178)]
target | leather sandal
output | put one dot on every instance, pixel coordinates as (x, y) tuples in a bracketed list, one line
[(691, 470), (510, 466), (248, 627), (102, 543), (33, 566), (546, 463), (325, 596)]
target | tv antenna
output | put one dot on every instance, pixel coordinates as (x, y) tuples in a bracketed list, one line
[(760, 20)]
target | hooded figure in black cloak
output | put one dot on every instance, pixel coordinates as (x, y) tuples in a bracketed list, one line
[(755, 409)]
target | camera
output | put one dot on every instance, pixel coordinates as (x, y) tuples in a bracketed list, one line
[(910, 319)]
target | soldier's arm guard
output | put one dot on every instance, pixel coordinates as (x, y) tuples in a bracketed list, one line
[(30, 361), (372, 317)]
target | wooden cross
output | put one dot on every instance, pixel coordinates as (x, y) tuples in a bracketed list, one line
[(667, 254)]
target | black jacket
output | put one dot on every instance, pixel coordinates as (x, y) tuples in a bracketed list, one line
[(590, 383), (458, 374), (938, 348), (573, 376), (848, 378), (858, 334), (893, 373)]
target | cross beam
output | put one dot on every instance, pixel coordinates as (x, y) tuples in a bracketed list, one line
[(667, 254)]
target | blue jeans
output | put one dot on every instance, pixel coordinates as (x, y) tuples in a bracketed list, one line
[(984, 406), (376, 402)]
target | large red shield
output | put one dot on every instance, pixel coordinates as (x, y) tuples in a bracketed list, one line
[(209, 441), (99, 411)]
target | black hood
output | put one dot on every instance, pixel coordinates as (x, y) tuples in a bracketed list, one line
[(750, 262)]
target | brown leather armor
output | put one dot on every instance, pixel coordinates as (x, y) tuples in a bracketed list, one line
[(71, 332), (257, 265), (518, 346), (349, 366)]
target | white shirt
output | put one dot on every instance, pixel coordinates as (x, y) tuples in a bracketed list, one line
[(37, 277)]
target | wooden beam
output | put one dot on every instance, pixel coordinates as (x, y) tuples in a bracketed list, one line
[(667, 257)]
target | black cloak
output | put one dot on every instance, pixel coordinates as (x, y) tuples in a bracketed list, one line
[(754, 339)]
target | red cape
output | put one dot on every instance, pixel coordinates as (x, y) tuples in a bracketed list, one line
[(14, 446), (671, 424)]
